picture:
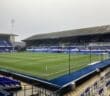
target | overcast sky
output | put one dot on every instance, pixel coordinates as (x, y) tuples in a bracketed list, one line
[(41, 16)]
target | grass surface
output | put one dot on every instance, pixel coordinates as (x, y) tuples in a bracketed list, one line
[(45, 65)]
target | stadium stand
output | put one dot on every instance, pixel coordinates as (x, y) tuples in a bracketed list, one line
[(93, 39), (71, 37), (5, 46), (6, 42), (7, 85)]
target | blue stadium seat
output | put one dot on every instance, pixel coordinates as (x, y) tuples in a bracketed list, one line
[(6, 82), (5, 46)]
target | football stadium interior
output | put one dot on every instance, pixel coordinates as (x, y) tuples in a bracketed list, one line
[(67, 63)]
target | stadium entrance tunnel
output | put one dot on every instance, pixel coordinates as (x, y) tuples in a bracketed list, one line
[(63, 84)]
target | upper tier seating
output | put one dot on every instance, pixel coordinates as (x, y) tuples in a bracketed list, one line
[(4, 43)]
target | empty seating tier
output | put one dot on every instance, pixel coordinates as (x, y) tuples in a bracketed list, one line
[(7, 84), (4, 43), (5, 46)]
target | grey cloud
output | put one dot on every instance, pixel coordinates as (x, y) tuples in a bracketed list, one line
[(40, 16)]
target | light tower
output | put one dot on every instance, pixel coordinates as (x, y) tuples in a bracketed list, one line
[(12, 31), (12, 25)]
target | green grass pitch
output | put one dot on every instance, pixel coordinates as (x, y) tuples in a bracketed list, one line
[(45, 65)]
